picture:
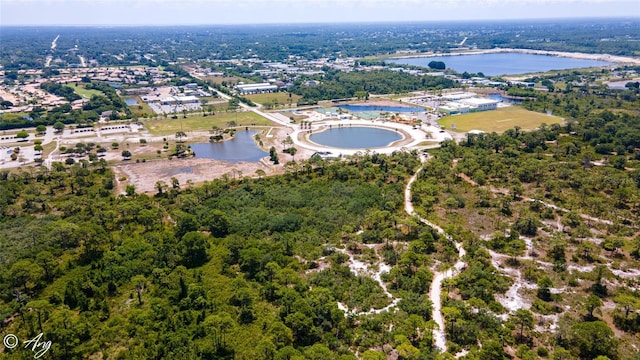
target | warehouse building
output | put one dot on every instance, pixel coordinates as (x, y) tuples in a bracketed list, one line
[(246, 89)]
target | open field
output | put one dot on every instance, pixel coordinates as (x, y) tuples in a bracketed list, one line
[(195, 123), (141, 109), (228, 79), (281, 98), (499, 120), (85, 93)]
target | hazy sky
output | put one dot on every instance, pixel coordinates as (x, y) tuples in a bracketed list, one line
[(170, 12)]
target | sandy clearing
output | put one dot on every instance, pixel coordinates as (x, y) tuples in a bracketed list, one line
[(144, 175)]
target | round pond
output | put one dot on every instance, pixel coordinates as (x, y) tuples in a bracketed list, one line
[(355, 137)]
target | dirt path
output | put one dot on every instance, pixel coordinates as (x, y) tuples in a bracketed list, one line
[(360, 268), (439, 335)]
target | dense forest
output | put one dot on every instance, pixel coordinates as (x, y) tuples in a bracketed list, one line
[(242, 268), (339, 85)]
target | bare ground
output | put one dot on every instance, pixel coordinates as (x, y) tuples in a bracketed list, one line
[(144, 175)]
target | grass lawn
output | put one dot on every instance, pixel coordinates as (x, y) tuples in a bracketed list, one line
[(48, 148), (499, 120), (281, 98), (141, 109), (228, 79), (85, 93), (198, 123)]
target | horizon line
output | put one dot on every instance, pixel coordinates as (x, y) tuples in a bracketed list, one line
[(626, 17)]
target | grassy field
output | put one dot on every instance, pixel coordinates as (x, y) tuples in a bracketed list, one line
[(499, 120), (281, 98), (198, 123), (85, 93), (228, 79), (141, 109)]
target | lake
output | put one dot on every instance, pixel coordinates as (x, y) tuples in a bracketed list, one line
[(504, 63), (357, 108), (355, 137), (241, 148)]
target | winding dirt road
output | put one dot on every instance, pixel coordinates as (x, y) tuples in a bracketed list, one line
[(439, 335)]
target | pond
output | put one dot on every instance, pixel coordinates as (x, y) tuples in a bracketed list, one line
[(241, 148), (504, 63), (500, 98), (355, 137), (357, 108), (131, 101)]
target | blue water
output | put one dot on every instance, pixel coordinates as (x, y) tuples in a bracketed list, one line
[(504, 63), (131, 101), (500, 98), (356, 108), (355, 137), (241, 148)]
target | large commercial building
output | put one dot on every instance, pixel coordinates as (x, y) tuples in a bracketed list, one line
[(478, 104), (246, 89), (468, 105), (173, 100)]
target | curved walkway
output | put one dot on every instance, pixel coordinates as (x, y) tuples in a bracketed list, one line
[(439, 335)]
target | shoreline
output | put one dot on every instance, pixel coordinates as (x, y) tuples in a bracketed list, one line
[(405, 136), (573, 55)]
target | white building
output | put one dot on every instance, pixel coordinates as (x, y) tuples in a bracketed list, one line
[(246, 89), (478, 104), (172, 100), (464, 106)]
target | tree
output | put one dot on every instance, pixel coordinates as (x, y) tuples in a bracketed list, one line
[(544, 292), (613, 244), (58, 126), (48, 263), (408, 351), (41, 129), (524, 319), (439, 65), (130, 190), (126, 154), (186, 223), (592, 303), (24, 273), (593, 338), (141, 283), (373, 355), (628, 303), (451, 203), (180, 135), (218, 223), (194, 249)]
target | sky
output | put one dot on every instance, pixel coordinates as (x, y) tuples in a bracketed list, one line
[(195, 12)]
